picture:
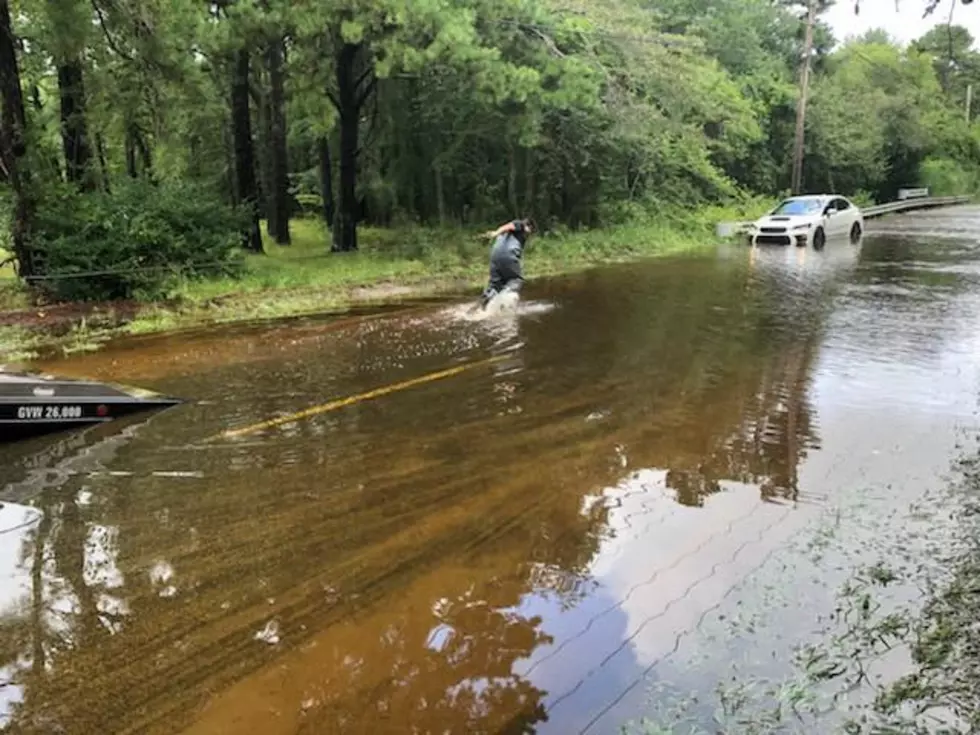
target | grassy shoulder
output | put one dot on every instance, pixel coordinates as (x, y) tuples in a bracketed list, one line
[(392, 265)]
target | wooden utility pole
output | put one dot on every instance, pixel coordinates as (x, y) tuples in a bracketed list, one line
[(797, 178)]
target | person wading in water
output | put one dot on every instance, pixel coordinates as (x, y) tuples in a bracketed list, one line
[(505, 258)]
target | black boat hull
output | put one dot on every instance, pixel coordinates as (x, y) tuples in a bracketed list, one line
[(34, 405)]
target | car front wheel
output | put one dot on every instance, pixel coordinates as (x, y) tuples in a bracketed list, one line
[(819, 238)]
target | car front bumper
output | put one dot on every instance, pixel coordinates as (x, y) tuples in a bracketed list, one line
[(800, 239)]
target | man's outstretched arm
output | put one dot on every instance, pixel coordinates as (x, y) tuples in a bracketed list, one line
[(508, 227)]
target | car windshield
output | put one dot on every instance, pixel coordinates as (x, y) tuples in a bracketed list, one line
[(799, 206)]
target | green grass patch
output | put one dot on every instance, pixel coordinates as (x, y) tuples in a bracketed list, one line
[(18, 345), (7, 271), (12, 293), (308, 263)]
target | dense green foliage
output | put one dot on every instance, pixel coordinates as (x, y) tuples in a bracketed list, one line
[(135, 242), (450, 113)]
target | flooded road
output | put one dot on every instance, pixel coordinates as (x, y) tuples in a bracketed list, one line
[(420, 522)]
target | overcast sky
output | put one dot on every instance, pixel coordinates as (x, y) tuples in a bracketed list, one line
[(904, 24)]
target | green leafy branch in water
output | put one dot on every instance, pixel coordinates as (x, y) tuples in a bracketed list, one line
[(787, 703), (827, 671), (670, 719), (944, 688), (748, 706), (866, 633), (864, 627)]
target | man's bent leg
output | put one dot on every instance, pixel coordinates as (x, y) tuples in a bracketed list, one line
[(498, 279), (508, 272), (488, 293)]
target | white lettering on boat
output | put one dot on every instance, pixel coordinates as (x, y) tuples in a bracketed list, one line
[(49, 413)]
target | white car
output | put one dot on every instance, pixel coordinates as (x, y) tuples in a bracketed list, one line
[(808, 220)]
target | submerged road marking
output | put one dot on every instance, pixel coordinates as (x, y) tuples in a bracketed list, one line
[(358, 398)]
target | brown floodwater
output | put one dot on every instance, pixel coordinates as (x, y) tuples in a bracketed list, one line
[(514, 525)]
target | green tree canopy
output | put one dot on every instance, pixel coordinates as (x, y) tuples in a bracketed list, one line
[(470, 112)]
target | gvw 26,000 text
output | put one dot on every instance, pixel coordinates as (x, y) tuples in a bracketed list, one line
[(49, 412)]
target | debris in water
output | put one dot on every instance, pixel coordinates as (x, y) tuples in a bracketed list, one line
[(269, 634), (161, 572)]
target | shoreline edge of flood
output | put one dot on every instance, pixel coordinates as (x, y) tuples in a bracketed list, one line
[(36, 332)]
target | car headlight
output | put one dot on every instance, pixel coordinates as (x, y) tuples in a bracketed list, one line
[(802, 228)]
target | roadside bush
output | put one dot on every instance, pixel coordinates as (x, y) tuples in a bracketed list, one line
[(137, 242), (946, 177), (862, 198)]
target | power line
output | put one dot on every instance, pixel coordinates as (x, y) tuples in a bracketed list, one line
[(174, 268)]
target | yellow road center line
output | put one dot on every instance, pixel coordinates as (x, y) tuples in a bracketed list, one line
[(358, 398)]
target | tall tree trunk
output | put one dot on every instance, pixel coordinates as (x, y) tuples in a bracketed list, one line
[(279, 184), (512, 180), (103, 166), (136, 145), (146, 158), (74, 128), (263, 162), (530, 183), (53, 161), (194, 164), (345, 231), (352, 93), (326, 181), (13, 147), (241, 123), (131, 169), (230, 175), (566, 198), (440, 194)]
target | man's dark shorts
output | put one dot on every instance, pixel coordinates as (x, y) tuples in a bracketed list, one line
[(506, 271)]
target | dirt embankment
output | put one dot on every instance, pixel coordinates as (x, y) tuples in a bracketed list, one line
[(59, 317)]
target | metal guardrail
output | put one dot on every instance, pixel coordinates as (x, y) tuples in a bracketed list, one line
[(907, 205), (727, 229)]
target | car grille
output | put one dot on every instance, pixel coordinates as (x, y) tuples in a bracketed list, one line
[(773, 230), (772, 239)]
